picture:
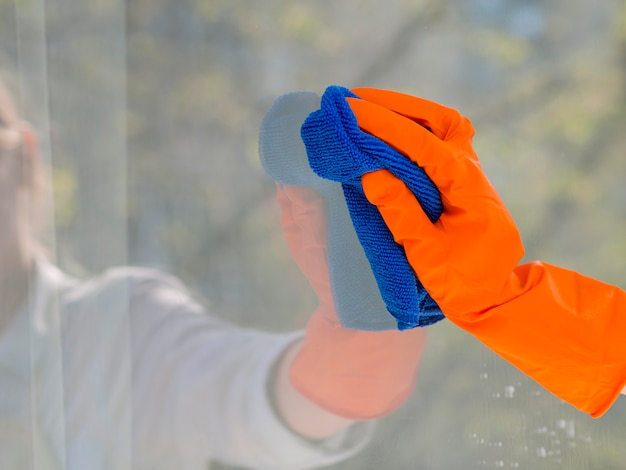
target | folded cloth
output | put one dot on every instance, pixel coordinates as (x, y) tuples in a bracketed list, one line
[(339, 151), (356, 298)]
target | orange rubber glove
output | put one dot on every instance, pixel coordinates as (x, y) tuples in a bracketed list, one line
[(352, 373), (565, 330)]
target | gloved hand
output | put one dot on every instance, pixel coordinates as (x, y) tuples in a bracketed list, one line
[(470, 252), (352, 373), (565, 330)]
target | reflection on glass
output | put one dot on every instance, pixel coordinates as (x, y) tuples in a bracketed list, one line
[(146, 116)]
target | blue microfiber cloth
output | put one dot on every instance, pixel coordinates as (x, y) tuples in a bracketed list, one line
[(339, 151), (357, 300)]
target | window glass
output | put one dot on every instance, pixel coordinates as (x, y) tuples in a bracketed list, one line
[(147, 117)]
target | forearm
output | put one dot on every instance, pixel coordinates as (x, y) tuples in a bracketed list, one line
[(300, 414)]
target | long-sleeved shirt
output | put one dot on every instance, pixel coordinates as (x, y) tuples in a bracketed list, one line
[(128, 371)]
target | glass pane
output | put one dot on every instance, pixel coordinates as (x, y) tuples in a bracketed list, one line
[(147, 117)]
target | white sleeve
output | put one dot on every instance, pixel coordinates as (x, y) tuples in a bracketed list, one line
[(200, 390)]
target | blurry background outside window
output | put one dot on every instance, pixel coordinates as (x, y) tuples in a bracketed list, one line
[(148, 114)]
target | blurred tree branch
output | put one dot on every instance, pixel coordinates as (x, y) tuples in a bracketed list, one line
[(394, 52)]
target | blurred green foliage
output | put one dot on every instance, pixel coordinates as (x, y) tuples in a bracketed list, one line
[(150, 119)]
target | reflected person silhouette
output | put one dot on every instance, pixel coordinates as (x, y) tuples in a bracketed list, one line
[(127, 370)]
